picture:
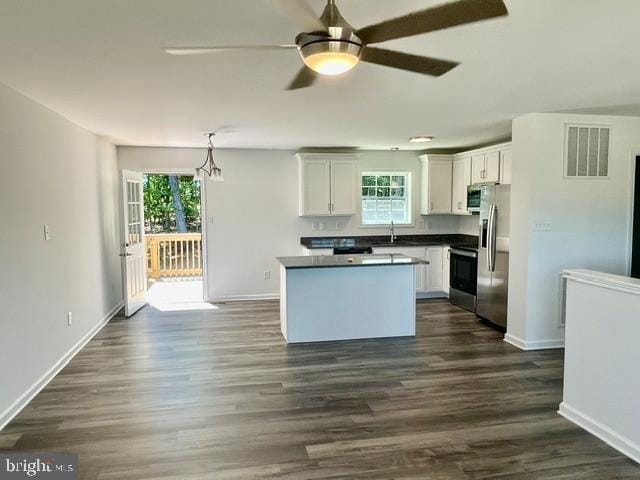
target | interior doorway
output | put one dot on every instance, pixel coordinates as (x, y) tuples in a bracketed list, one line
[(173, 240), (635, 249)]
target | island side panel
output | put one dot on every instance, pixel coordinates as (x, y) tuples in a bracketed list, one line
[(283, 301), (350, 303)]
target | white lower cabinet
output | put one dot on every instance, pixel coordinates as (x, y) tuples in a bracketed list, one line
[(435, 276), (316, 251), (430, 279)]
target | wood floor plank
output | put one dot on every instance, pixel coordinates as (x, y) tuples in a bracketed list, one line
[(217, 394)]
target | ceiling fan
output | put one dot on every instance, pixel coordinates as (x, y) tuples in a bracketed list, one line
[(331, 46)]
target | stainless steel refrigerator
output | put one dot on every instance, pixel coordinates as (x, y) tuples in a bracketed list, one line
[(493, 253)]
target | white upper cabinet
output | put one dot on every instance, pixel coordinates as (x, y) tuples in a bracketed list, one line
[(328, 184), (477, 168), (492, 167), (435, 185), (461, 180), (505, 166), (343, 187), (491, 164), (485, 167)]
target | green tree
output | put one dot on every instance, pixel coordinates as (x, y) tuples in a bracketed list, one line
[(160, 208)]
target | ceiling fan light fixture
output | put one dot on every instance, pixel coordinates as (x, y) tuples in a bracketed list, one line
[(331, 57)]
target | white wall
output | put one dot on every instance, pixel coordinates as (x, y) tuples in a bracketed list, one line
[(253, 214), (590, 220), (54, 173)]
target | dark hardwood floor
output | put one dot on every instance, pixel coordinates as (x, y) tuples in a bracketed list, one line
[(217, 395)]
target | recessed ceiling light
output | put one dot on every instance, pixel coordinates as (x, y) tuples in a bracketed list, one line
[(420, 139), (395, 149)]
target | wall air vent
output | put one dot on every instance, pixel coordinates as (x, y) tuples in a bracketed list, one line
[(586, 151)]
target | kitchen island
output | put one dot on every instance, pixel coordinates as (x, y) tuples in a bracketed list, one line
[(342, 297)]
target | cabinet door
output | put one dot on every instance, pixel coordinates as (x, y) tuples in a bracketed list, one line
[(439, 189), (505, 166), (492, 167), (434, 269), (446, 263), (415, 252), (477, 169), (461, 180), (343, 187), (316, 187)]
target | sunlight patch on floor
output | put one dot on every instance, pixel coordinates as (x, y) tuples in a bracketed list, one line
[(177, 294)]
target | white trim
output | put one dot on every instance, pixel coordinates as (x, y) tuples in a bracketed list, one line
[(244, 298), (604, 433), (16, 407), (533, 344), (604, 280)]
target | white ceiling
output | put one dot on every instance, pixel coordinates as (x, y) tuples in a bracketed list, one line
[(100, 64)]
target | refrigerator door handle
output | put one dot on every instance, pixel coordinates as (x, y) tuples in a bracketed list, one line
[(492, 238)]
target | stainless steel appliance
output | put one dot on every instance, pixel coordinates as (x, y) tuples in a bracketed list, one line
[(473, 198), (493, 254), (463, 276)]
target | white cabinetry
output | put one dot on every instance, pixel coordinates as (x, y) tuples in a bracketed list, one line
[(415, 252), (461, 180), (435, 277), (435, 185), (327, 184), (485, 167), (505, 166)]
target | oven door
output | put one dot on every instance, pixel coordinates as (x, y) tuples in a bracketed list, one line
[(464, 271)]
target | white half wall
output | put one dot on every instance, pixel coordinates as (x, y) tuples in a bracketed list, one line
[(590, 220), (53, 173), (253, 214)]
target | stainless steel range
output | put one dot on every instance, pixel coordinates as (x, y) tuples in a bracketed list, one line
[(463, 276)]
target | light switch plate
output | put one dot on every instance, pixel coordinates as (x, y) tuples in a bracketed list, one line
[(47, 233)]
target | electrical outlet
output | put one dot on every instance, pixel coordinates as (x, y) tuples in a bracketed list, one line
[(69, 319), (266, 275), (47, 233), (338, 226), (423, 224), (321, 226), (542, 226), (314, 226)]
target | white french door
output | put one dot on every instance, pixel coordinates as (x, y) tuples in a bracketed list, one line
[(133, 247)]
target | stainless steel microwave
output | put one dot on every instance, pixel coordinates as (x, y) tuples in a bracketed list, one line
[(473, 198)]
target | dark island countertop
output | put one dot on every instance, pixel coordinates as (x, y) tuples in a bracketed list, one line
[(327, 261), (383, 241)]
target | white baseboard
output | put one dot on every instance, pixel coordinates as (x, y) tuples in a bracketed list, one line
[(533, 344), (24, 399), (604, 433), (244, 298)]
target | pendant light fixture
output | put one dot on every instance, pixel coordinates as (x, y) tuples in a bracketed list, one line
[(209, 166)]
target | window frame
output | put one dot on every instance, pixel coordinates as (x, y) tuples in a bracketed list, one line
[(408, 195)]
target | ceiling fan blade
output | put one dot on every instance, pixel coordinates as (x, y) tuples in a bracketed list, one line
[(301, 13), (303, 79), (223, 48), (432, 19), (407, 61)]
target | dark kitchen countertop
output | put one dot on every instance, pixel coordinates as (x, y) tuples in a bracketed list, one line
[(324, 261), (383, 241)]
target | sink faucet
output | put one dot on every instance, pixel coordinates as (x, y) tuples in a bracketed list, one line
[(392, 230)]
